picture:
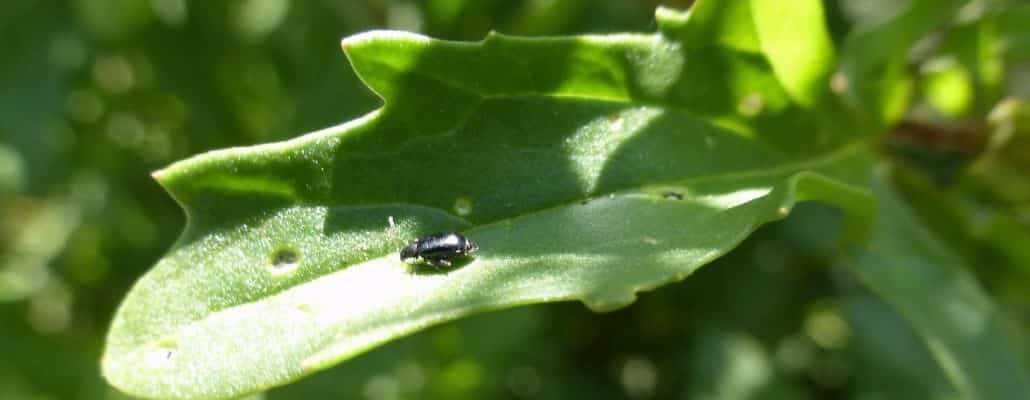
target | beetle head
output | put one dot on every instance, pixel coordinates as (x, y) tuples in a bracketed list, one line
[(408, 252)]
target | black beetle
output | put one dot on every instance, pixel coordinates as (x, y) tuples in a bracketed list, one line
[(438, 249)]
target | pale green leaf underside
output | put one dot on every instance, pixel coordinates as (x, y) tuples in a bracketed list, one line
[(586, 168)]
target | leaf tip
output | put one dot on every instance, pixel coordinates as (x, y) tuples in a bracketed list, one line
[(159, 175), (168, 177), (352, 42)]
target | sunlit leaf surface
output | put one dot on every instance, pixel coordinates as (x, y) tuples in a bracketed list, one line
[(586, 168)]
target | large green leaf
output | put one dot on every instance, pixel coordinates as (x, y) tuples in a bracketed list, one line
[(586, 168), (908, 267)]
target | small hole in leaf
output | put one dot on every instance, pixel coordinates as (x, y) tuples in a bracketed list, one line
[(284, 260), (672, 195)]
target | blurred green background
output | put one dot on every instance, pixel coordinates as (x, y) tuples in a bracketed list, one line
[(95, 94)]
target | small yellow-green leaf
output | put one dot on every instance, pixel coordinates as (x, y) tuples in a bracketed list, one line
[(797, 43)]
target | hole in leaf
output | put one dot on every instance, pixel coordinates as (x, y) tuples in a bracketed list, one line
[(673, 195), (284, 260)]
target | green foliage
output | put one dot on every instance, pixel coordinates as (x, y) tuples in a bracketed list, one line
[(742, 136), (924, 280), (596, 196)]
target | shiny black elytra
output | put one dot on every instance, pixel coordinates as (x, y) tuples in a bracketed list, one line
[(438, 249)]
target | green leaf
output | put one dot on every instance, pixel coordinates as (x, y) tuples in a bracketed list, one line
[(1013, 33), (793, 39), (895, 362), (798, 45), (586, 168), (929, 285), (948, 86), (874, 56)]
